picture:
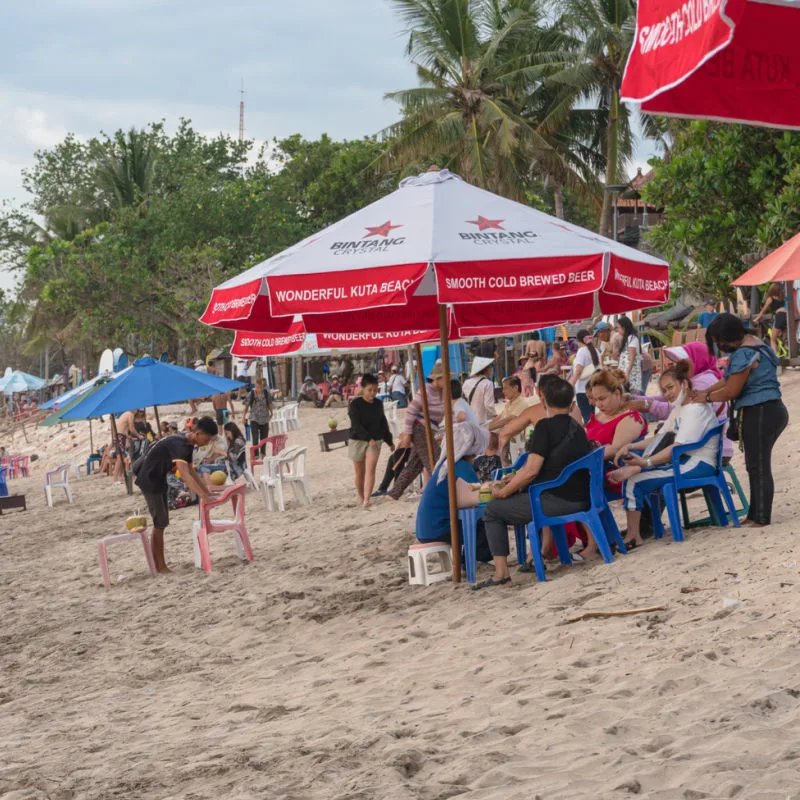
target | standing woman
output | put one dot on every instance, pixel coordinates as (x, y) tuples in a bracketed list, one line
[(414, 437), (586, 362), (751, 381), (630, 355)]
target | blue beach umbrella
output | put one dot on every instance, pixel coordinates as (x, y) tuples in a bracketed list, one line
[(149, 383), (20, 382)]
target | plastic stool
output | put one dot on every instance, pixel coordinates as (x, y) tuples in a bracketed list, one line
[(132, 536), (418, 563)]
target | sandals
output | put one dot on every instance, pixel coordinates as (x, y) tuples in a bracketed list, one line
[(529, 566), (631, 545), (489, 582)]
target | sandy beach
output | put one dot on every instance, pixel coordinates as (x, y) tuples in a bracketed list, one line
[(317, 672)]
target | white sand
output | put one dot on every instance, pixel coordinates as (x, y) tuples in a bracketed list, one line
[(317, 672)]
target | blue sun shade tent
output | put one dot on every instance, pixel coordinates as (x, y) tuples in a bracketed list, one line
[(149, 383), (20, 382)]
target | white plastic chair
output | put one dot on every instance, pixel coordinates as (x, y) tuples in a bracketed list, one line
[(278, 422), (57, 479), (287, 468), (291, 413)]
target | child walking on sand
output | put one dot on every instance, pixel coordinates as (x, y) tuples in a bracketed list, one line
[(368, 428)]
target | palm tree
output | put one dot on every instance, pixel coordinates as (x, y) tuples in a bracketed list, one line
[(477, 61), (602, 33), (126, 175)]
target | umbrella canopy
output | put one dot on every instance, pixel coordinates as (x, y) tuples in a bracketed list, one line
[(67, 397), (149, 383), (439, 240), (782, 264), (20, 382), (57, 418), (734, 60)]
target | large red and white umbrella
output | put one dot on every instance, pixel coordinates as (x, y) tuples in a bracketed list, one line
[(435, 241), (728, 60), (440, 253)]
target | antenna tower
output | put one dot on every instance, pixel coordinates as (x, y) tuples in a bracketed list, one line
[(241, 113)]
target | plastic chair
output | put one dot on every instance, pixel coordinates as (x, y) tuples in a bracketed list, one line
[(278, 421), (93, 459), (289, 468), (469, 534), (206, 526), (712, 519), (390, 410), (57, 479), (598, 517), (715, 486), (3, 484), (418, 563), (291, 416), (131, 536), (277, 444), (22, 466)]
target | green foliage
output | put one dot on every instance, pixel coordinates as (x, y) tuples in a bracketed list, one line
[(728, 191)]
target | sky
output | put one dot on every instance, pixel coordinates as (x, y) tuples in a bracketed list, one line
[(82, 66)]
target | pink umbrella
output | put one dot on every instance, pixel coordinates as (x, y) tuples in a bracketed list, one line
[(729, 60)]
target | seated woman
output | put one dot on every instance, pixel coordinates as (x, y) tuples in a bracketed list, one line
[(334, 393), (648, 473), (433, 513), (211, 457), (237, 450), (557, 441), (705, 374)]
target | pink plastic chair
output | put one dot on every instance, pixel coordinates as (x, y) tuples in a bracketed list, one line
[(23, 466), (277, 442), (132, 536), (207, 526)]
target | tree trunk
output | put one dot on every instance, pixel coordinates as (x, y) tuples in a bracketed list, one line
[(558, 199), (612, 157)]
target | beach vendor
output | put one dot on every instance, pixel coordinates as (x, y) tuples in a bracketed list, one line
[(151, 477), (557, 441), (433, 513), (479, 389), (368, 428)]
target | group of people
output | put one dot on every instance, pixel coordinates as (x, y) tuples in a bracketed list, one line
[(694, 399)]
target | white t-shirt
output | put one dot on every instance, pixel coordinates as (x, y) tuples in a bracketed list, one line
[(693, 423), (462, 405), (397, 383), (583, 358)]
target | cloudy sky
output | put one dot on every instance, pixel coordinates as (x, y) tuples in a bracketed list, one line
[(309, 66)]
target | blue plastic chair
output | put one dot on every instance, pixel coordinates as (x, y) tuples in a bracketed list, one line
[(3, 484), (598, 517), (520, 531), (715, 487), (93, 459), (469, 534)]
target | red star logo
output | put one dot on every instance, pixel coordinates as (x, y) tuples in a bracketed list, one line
[(381, 230), (484, 223)]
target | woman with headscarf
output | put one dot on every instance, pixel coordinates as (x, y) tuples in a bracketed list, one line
[(705, 374), (586, 362), (433, 514)]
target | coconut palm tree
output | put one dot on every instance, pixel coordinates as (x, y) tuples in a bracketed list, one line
[(477, 62), (602, 34), (126, 174)]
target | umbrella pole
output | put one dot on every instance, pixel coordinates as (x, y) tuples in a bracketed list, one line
[(451, 453), (158, 423), (791, 319), (91, 439), (423, 392)]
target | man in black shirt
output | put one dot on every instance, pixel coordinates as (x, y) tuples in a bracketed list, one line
[(151, 477), (557, 441)]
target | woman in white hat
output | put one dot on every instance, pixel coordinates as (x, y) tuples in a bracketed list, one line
[(479, 389), (414, 435)]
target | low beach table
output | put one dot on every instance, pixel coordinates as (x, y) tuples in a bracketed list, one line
[(14, 501), (333, 437)]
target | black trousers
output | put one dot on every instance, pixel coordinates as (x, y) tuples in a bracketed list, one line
[(394, 467), (259, 432), (761, 426)]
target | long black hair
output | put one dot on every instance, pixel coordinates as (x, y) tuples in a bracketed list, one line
[(585, 337), (627, 326), (233, 429)]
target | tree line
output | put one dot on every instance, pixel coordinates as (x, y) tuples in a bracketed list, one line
[(126, 234)]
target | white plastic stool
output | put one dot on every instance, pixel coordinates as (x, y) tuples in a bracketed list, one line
[(132, 536), (198, 559), (418, 563)]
